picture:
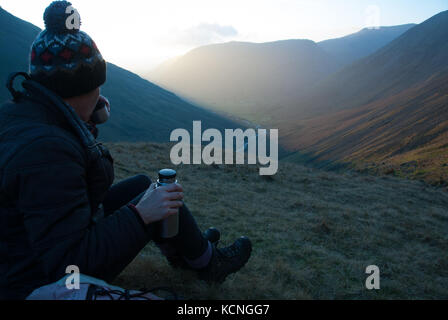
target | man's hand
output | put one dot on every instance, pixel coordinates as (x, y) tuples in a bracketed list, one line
[(160, 203)]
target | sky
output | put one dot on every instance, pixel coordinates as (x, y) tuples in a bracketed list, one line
[(140, 34)]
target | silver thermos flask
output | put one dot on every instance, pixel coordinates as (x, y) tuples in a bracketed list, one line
[(169, 226)]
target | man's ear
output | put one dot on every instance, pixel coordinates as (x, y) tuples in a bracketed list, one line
[(101, 114)]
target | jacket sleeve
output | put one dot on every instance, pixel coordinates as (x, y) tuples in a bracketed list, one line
[(53, 199)]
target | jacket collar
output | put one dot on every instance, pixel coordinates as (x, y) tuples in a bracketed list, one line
[(41, 93), (36, 91)]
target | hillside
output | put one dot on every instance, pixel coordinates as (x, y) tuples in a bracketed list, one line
[(141, 111), (16, 37), (311, 241), (361, 44), (386, 113), (406, 134)]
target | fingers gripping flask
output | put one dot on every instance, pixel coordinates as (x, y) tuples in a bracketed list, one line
[(169, 226)]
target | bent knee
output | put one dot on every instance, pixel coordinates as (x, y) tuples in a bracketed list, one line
[(143, 181)]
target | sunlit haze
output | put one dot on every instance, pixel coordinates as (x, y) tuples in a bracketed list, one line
[(139, 35)]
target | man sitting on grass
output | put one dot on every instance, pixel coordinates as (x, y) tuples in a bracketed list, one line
[(58, 207)]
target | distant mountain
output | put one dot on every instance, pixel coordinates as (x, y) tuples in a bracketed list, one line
[(361, 44), (407, 61), (141, 111), (245, 78), (389, 109), (252, 80)]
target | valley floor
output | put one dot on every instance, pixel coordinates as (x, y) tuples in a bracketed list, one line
[(314, 232)]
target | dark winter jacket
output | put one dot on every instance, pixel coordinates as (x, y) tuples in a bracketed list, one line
[(53, 177)]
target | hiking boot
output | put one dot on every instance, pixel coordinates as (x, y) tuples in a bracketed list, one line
[(213, 235), (226, 261)]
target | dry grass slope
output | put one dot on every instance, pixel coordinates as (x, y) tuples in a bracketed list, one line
[(313, 232), (405, 134)]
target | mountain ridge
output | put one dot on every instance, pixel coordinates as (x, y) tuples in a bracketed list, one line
[(248, 79), (361, 44), (385, 70)]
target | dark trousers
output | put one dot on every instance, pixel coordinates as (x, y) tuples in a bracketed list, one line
[(189, 242)]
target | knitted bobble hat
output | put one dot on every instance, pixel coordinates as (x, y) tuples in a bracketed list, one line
[(63, 58)]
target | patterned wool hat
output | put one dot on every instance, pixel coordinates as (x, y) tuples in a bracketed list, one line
[(63, 58)]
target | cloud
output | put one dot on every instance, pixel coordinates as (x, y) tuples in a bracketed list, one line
[(205, 33), (223, 31)]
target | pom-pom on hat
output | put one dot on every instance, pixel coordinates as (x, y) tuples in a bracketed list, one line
[(63, 58), (56, 16)]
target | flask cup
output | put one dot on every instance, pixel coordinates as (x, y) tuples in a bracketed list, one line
[(169, 227)]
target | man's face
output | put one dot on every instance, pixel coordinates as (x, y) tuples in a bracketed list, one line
[(95, 98), (85, 105)]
